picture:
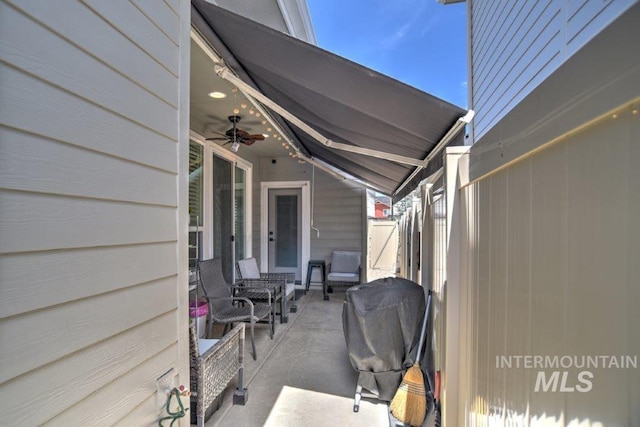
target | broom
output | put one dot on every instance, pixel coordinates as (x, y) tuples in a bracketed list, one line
[(409, 405)]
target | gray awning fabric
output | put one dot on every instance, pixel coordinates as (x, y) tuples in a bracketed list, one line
[(342, 100)]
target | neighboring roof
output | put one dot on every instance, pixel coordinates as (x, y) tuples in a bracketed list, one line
[(344, 101)]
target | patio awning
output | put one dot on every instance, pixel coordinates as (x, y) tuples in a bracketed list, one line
[(350, 106)]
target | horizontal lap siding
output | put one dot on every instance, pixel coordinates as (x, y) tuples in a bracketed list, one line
[(52, 280), (88, 208), (75, 377), (515, 46), (339, 214)]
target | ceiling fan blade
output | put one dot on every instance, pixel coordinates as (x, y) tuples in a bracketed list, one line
[(216, 139), (224, 136)]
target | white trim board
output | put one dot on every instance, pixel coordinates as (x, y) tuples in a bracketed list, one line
[(265, 186)]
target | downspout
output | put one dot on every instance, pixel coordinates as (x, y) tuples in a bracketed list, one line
[(313, 186)]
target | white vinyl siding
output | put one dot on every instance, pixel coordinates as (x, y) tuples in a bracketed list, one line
[(90, 296), (516, 46)]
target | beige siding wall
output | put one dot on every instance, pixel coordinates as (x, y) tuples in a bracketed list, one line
[(90, 304), (549, 269), (515, 46)]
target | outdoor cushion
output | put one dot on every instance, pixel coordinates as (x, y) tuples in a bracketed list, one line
[(205, 344), (345, 262), (343, 277), (249, 268), (290, 287)]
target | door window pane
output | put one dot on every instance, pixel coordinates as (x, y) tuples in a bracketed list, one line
[(287, 231)]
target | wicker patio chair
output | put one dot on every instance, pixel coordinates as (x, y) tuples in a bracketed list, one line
[(213, 364), (283, 284), (224, 308)]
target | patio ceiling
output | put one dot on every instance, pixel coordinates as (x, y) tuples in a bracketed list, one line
[(340, 105)]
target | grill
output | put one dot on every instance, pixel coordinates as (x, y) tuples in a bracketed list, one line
[(381, 322)]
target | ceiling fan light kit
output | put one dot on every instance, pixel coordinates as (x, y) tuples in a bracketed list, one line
[(236, 136)]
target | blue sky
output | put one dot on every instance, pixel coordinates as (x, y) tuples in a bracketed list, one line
[(419, 42)]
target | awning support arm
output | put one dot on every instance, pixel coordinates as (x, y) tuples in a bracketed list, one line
[(226, 74), (455, 129)]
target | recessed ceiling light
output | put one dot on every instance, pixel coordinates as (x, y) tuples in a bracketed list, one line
[(217, 95)]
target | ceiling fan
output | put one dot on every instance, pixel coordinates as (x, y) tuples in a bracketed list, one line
[(236, 136)]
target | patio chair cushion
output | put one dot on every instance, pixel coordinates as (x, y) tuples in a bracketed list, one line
[(345, 262), (205, 344), (249, 268), (289, 288), (343, 277)]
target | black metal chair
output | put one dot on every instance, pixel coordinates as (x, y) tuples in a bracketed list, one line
[(224, 307)]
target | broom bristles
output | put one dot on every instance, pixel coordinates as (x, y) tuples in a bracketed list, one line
[(409, 405)]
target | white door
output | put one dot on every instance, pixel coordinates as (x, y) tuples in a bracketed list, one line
[(284, 230)]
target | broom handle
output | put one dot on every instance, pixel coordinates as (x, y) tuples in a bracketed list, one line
[(424, 327)]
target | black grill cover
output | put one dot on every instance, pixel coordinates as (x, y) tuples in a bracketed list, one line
[(381, 322)]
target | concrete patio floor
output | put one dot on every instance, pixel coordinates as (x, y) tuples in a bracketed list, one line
[(303, 376)]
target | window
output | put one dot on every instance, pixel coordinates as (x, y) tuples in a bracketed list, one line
[(196, 170)]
